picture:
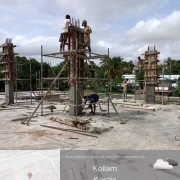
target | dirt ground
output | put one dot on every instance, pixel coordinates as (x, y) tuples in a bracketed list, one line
[(143, 129)]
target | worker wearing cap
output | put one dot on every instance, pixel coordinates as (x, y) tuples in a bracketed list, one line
[(87, 31), (64, 32)]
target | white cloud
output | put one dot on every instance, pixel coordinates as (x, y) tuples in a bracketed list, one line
[(34, 23), (161, 164), (156, 30)]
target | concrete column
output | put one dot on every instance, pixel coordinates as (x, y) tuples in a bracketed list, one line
[(150, 94), (9, 93), (72, 100)]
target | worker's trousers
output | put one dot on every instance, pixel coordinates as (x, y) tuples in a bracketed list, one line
[(124, 95)]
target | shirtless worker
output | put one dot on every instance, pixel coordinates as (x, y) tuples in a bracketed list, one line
[(87, 31), (125, 86)]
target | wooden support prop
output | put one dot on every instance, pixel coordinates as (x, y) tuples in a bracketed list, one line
[(72, 131), (47, 92), (78, 123), (138, 108), (21, 119)]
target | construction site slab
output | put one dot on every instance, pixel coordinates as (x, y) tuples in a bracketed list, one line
[(142, 129)]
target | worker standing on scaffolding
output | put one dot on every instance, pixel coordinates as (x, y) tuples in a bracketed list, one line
[(64, 32), (87, 31), (93, 99)]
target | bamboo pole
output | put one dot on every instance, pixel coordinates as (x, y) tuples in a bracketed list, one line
[(108, 79), (36, 82), (163, 84), (41, 80), (16, 78), (47, 93), (30, 82), (76, 77), (72, 131)]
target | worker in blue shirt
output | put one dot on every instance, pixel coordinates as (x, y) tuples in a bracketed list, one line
[(92, 98)]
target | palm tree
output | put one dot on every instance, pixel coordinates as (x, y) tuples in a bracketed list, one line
[(112, 66), (112, 69)]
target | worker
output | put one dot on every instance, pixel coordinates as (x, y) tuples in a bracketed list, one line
[(93, 99), (125, 86), (125, 80), (64, 32), (87, 31)]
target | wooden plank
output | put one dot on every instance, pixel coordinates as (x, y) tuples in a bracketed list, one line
[(4, 62), (96, 57), (3, 54), (21, 119), (72, 131), (56, 57), (150, 53), (138, 108), (3, 79), (58, 53), (5, 71), (5, 45)]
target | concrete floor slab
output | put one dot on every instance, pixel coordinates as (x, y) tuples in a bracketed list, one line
[(143, 129)]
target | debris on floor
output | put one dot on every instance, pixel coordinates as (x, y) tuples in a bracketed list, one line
[(97, 130), (51, 107), (177, 138), (78, 123), (84, 124)]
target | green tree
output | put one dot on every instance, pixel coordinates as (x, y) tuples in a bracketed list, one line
[(23, 72), (176, 91), (54, 72), (140, 77)]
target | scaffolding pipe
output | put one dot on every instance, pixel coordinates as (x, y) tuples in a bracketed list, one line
[(47, 92), (41, 79), (39, 83), (163, 84), (16, 78), (108, 80), (30, 82), (76, 77), (36, 82), (169, 79)]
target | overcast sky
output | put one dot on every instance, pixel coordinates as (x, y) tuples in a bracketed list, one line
[(127, 27)]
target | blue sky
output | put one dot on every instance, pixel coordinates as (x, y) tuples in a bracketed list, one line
[(127, 27)]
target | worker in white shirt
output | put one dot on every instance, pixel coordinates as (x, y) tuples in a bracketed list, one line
[(64, 32)]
